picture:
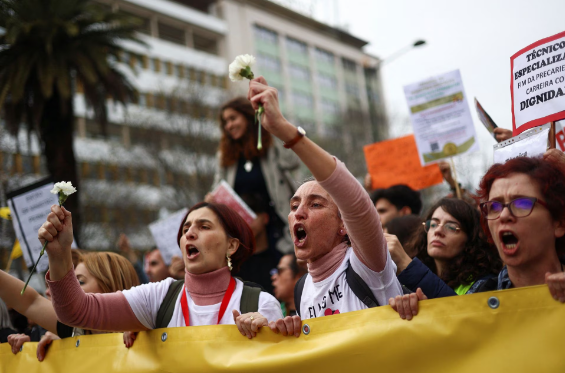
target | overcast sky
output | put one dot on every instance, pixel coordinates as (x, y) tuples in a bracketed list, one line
[(477, 37)]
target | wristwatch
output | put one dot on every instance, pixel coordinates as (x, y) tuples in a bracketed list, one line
[(299, 135)]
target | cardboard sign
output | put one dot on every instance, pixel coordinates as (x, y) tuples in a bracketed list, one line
[(165, 232), (537, 84), (397, 161), (441, 118), (226, 195), (529, 144), (29, 208), (486, 120)]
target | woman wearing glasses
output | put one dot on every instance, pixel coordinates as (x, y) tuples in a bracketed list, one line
[(523, 212), (453, 254)]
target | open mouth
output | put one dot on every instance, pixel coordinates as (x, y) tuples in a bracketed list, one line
[(299, 235), (191, 251), (509, 240)]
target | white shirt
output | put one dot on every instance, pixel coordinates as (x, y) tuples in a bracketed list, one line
[(146, 299), (333, 295)]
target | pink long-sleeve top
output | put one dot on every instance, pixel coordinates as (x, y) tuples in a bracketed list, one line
[(136, 309)]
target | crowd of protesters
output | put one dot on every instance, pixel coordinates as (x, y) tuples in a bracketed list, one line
[(352, 249)]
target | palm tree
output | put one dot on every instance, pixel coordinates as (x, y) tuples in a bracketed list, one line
[(50, 46)]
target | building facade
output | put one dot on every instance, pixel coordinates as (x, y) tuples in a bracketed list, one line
[(158, 154)]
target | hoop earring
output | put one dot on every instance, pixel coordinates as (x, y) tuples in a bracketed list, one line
[(229, 262)]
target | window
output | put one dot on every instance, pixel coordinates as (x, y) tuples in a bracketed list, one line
[(266, 35), (155, 65), (327, 81), (329, 107), (352, 89), (349, 65), (324, 56), (205, 44), (302, 99), (172, 34), (299, 72), (296, 46), (268, 62)]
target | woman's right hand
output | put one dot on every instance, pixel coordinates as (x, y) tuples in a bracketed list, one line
[(58, 232), (290, 325), (272, 119), (44, 343), (407, 305), (397, 253), (16, 341)]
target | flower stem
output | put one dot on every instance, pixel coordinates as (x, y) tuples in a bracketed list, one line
[(258, 114), (33, 269), (42, 250)]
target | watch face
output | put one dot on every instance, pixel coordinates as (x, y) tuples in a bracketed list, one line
[(301, 131)]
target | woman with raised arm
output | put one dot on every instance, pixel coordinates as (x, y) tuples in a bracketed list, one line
[(96, 272), (212, 238), (334, 226)]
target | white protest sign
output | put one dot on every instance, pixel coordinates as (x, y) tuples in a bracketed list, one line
[(165, 232), (441, 118), (529, 144), (538, 83), (29, 208)]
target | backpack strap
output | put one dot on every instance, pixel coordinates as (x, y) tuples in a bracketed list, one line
[(166, 309), (360, 288), (298, 288), (249, 301)]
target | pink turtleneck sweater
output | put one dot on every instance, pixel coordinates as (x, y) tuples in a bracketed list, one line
[(112, 311)]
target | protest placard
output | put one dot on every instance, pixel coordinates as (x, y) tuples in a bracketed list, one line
[(29, 207), (485, 118), (396, 161), (538, 83), (165, 232), (226, 195), (532, 143), (441, 118)]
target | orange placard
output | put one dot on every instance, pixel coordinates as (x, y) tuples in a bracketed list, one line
[(396, 161)]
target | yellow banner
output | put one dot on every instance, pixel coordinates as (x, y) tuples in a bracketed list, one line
[(458, 334)]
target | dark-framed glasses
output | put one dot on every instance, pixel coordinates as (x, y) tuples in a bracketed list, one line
[(519, 207), (447, 227)]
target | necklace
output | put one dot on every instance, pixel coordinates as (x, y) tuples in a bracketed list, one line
[(248, 166)]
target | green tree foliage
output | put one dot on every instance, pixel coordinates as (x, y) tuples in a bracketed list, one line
[(47, 49)]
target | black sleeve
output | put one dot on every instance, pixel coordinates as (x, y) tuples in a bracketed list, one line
[(64, 331)]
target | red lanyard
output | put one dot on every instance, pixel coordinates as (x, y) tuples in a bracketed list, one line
[(223, 306)]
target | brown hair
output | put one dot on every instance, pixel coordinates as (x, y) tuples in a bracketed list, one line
[(111, 271), (231, 150), (477, 259), (234, 227)]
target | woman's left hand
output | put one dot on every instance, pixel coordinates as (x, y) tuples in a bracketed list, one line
[(556, 284), (249, 323)]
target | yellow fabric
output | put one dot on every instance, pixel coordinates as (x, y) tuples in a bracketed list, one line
[(457, 334), (16, 251), (5, 213)]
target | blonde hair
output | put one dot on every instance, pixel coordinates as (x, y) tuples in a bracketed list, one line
[(111, 271)]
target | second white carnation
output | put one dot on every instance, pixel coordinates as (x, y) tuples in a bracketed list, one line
[(241, 62), (64, 186)]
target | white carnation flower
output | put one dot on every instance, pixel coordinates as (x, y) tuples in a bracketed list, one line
[(64, 186), (243, 62)]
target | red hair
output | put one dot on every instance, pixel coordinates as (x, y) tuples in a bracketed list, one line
[(234, 227), (545, 174)]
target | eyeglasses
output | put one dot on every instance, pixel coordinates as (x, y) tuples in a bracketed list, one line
[(448, 227), (519, 208)]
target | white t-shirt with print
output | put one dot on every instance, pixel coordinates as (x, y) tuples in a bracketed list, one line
[(146, 299), (333, 295)]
